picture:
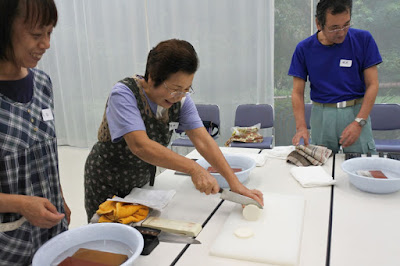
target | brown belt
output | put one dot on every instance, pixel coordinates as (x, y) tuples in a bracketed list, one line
[(341, 104)]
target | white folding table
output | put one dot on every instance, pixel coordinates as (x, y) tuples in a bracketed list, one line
[(366, 226), (273, 177)]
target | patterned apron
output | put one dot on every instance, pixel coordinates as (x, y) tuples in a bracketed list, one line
[(28, 166), (111, 168)]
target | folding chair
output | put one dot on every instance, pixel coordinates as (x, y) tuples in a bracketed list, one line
[(248, 115), (386, 117), (209, 114)]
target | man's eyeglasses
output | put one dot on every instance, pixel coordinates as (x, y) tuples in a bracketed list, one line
[(337, 30), (177, 93)]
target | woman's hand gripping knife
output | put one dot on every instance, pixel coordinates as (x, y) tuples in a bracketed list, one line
[(209, 149)]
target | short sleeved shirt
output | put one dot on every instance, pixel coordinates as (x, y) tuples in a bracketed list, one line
[(123, 115), (335, 72)]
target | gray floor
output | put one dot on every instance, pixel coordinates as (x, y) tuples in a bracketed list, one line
[(71, 164)]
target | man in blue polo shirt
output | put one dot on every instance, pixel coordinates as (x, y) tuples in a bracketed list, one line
[(341, 65)]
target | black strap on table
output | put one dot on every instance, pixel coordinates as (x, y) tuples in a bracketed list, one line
[(328, 247)]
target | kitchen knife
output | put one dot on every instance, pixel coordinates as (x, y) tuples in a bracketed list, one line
[(165, 236), (237, 198), (174, 238)]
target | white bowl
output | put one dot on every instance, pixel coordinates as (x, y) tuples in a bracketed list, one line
[(235, 161), (390, 167), (108, 237)]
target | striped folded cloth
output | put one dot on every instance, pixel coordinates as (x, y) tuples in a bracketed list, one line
[(309, 155)]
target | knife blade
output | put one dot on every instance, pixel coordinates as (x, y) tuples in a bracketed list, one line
[(165, 236), (173, 238), (237, 198)]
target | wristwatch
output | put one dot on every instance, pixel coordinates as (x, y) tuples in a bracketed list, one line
[(361, 121)]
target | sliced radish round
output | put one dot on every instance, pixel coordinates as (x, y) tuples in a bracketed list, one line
[(251, 212), (244, 232)]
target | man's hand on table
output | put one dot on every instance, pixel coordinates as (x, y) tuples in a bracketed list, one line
[(301, 133)]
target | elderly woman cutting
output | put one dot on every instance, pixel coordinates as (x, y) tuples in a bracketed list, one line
[(140, 116)]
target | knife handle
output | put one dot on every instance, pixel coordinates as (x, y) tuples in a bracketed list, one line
[(150, 238), (173, 226), (148, 231)]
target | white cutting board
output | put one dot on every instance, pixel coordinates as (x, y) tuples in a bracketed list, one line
[(277, 234)]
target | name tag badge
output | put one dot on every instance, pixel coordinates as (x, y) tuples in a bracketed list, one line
[(173, 125), (345, 63), (47, 115)]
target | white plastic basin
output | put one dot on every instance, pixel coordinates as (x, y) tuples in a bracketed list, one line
[(109, 237), (235, 161), (390, 167)]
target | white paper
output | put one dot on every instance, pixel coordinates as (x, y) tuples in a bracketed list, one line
[(280, 152), (47, 114), (155, 199), (345, 63)]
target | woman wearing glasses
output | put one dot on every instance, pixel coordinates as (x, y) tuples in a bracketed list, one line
[(140, 116)]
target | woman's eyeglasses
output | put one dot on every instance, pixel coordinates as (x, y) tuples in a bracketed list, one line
[(178, 93)]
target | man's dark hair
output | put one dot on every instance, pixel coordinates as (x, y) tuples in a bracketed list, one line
[(332, 6), (34, 12), (170, 57)]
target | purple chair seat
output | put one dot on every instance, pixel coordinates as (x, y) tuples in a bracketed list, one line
[(385, 117), (387, 145), (266, 144), (184, 142), (207, 112), (248, 115)]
